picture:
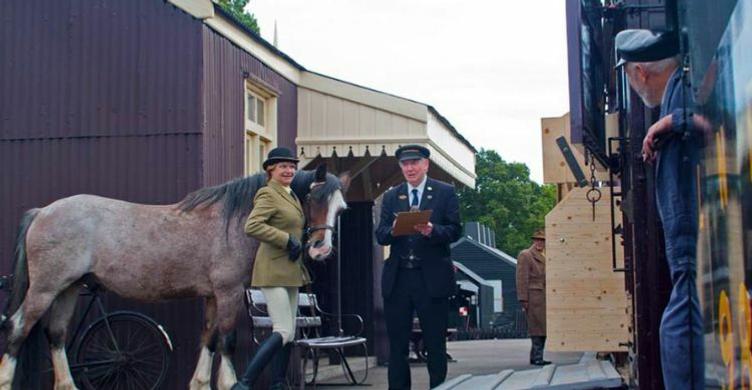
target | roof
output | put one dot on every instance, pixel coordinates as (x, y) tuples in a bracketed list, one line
[(431, 108), (493, 252), (257, 38), (488, 262), (454, 131), (470, 274)]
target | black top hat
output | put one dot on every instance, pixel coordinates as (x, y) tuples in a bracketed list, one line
[(279, 154), (412, 152), (639, 45)]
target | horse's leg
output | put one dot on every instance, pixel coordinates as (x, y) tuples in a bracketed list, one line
[(34, 306), (56, 327), (227, 311), (15, 338), (202, 376)]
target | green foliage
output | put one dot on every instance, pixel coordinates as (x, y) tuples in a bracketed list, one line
[(236, 8), (507, 201)]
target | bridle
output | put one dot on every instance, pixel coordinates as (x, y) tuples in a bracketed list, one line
[(307, 207), (314, 228)]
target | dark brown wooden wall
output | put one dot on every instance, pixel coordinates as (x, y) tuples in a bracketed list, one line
[(101, 97), (134, 100), (224, 68), (223, 89)]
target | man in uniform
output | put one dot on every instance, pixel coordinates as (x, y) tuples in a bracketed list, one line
[(531, 292), (418, 276), (652, 66)]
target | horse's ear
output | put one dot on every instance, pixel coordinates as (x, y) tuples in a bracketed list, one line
[(320, 174), (344, 181)]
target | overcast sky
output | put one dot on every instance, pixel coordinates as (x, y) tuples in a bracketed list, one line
[(492, 67)]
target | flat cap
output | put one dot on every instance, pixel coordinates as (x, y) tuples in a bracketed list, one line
[(412, 152), (645, 45)]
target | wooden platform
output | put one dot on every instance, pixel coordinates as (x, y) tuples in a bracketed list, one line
[(589, 373)]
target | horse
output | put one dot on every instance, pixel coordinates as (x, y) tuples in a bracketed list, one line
[(195, 248)]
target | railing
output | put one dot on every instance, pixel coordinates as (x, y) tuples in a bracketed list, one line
[(505, 327)]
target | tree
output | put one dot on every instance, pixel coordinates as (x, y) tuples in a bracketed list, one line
[(236, 8), (506, 200)]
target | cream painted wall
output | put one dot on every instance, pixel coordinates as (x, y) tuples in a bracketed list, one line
[(327, 122), (452, 148)]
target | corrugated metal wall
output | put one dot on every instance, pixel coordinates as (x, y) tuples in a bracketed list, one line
[(224, 68), (101, 97), (223, 89)]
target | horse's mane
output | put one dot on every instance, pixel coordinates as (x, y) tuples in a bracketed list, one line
[(237, 195), (301, 185)]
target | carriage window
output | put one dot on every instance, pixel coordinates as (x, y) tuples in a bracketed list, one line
[(260, 126)]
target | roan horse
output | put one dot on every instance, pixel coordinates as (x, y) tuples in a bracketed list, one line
[(195, 248)]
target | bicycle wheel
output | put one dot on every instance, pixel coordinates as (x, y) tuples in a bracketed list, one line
[(123, 350)]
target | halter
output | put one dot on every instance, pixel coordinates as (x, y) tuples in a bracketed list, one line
[(314, 228)]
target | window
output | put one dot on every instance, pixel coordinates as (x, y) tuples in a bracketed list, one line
[(260, 127), (498, 298)]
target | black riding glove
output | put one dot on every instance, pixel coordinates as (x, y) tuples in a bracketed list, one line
[(294, 248)]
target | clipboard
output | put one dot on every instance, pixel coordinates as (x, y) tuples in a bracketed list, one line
[(405, 222)]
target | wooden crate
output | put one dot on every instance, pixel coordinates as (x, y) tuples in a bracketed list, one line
[(586, 303), (555, 169)]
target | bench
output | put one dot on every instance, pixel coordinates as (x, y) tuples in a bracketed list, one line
[(308, 338)]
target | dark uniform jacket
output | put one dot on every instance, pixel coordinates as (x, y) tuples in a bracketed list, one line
[(433, 251), (531, 288)]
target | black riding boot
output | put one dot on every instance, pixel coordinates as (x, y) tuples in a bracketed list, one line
[(264, 354), (279, 367)]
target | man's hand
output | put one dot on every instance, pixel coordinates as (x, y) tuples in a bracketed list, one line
[(524, 305), (425, 229), (661, 127)]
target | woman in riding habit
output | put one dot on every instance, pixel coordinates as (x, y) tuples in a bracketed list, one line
[(277, 222)]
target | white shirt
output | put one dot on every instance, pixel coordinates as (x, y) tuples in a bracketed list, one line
[(420, 189)]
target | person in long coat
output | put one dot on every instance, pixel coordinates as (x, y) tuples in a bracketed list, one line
[(531, 292), (277, 221)]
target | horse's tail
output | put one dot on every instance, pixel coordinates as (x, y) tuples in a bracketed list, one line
[(20, 279)]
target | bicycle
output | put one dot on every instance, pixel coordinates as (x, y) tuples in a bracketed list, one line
[(118, 350)]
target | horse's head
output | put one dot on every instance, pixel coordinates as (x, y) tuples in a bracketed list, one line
[(324, 202)]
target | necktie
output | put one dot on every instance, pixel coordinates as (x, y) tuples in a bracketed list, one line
[(414, 202)]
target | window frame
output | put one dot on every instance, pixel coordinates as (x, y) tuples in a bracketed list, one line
[(259, 136)]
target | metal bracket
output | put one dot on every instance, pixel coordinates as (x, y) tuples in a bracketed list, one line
[(574, 166), (615, 230)]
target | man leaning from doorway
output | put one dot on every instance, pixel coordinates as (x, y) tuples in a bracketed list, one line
[(652, 66), (418, 276), (531, 292)]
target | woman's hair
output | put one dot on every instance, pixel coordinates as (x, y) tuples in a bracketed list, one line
[(269, 168)]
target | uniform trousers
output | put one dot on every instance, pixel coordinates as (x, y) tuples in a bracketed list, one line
[(409, 295)]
